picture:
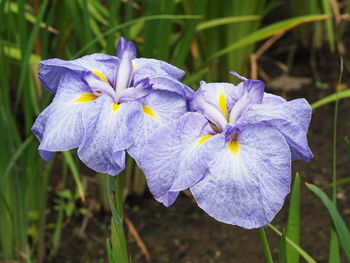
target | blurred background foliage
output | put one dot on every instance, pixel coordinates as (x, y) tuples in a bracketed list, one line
[(205, 38)]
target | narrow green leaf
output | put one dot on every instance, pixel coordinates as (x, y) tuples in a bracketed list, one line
[(131, 22), (326, 4), (334, 253), (75, 172), (302, 252), (283, 250), (270, 30), (339, 224), (341, 95), (265, 245), (293, 224), (224, 21)]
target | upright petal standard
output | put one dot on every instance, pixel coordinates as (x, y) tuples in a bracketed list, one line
[(233, 152), (105, 105)]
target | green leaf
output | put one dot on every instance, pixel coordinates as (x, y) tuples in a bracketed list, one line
[(339, 95), (283, 250), (334, 256), (75, 172), (224, 21), (302, 252), (339, 224), (269, 31), (293, 224), (112, 30)]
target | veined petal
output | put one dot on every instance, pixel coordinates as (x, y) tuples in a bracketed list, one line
[(126, 51), (172, 158), (59, 127), (108, 132), (290, 118), (247, 188), (159, 108), (222, 95), (167, 83), (142, 89), (102, 65), (153, 67)]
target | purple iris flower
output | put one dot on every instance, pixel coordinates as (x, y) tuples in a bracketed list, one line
[(234, 152), (105, 105)]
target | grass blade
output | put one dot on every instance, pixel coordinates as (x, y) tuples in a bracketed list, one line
[(75, 172), (293, 224), (341, 95), (269, 31), (302, 252), (129, 23), (224, 21), (283, 250), (265, 245), (339, 224)]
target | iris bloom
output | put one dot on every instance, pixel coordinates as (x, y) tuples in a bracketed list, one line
[(104, 105), (234, 152)]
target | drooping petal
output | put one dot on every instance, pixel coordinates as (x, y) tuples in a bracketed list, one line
[(291, 118), (159, 108), (176, 155), (162, 75), (108, 132), (102, 65), (153, 67), (59, 127), (167, 83), (246, 185)]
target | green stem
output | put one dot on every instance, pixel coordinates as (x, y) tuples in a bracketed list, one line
[(265, 245), (117, 251)]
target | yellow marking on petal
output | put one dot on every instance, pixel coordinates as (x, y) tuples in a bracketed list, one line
[(100, 75), (115, 106), (85, 97), (203, 139), (134, 66), (222, 104), (149, 111), (233, 146)]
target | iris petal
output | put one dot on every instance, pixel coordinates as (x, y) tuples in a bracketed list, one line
[(108, 133), (247, 188), (172, 160), (59, 127), (51, 70), (159, 108), (290, 118)]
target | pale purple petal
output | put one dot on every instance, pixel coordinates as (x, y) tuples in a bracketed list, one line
[(142, 89), (290, 118), (172, 158), (166, 107), (108, 132), (51, 70), (59, 127), (126, 48), (247, 188), (153, 67)]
